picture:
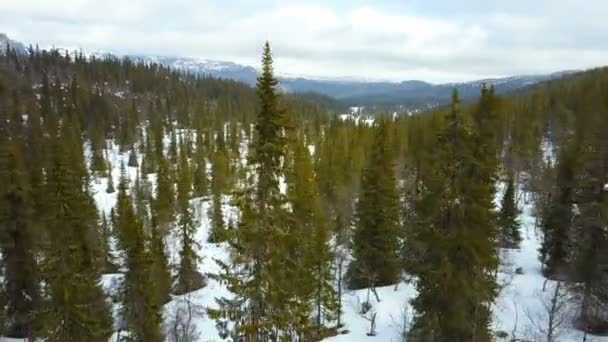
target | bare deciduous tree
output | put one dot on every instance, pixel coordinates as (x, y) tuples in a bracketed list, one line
[(180, 327), (548, 324)]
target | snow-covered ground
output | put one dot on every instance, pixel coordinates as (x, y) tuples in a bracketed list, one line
[(519, 309)]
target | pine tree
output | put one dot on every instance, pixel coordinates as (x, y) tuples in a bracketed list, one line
[(200, 181), (310, 241), (218, 187), (164, 201), (108, 263), (557, 219), (17, 244), (509, 236), (110, 187), (77, 309), (589, 250), (188, 277), (160, 271), (376, 237), (259, 276), (455, 227), (141, 303)]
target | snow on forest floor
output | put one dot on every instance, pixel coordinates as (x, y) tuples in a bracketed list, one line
[(520, 307)]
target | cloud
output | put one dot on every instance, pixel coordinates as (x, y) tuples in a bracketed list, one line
[(397, 40)]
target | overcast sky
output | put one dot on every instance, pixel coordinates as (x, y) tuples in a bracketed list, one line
[(432, 40)]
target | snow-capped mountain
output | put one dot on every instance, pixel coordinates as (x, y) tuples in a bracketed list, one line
[(417, 94), (413, 94), (220, 69)]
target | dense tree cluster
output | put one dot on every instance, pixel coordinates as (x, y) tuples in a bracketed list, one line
[(306, 202)]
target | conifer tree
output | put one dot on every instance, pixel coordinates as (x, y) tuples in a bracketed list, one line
[(164, 201), (375, 241), (455, 228), (132, 159), (17, 246), (259, 276), (108, 263), (160, 271), (77, 308), (141, 303), (219, 169), (200, 180), (557, 219), (310, 240), (110, 186), (589, 252), (509, 236), (188, 277)]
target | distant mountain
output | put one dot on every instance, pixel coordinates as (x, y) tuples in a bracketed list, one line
[(219, 69), (5, 40), (384, 96), (412, 94)]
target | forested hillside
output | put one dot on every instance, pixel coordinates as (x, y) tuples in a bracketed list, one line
[(140, 203)]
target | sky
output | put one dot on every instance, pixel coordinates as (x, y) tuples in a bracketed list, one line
[(430, 40)]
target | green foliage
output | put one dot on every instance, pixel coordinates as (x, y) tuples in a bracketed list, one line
[(141, 301), (313, 273), (164, 201), (455, 229), (376, 237), (77, 310), (21, 276), (188, 277), (509, 234)]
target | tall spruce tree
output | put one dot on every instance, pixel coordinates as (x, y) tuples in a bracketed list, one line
[(188, 277), (17, 244), (589, 252), (456, 229), (376, 237), (557, 219), (310, 243), (77, 310), (141, 303), (259, 276)]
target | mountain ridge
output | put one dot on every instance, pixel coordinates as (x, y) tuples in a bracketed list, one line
[(412, 94)]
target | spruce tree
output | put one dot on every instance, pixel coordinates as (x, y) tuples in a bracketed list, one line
[(556, 222), (77, 310), (589, 252), (219, 169), (188, 277), (164, 201), (456, 229), (200, 180), (509, 235), (259, 276), (108, 262), (160, 270), (110, 186), (310, 242), (17, 246), (140, 297), (376, 237)]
